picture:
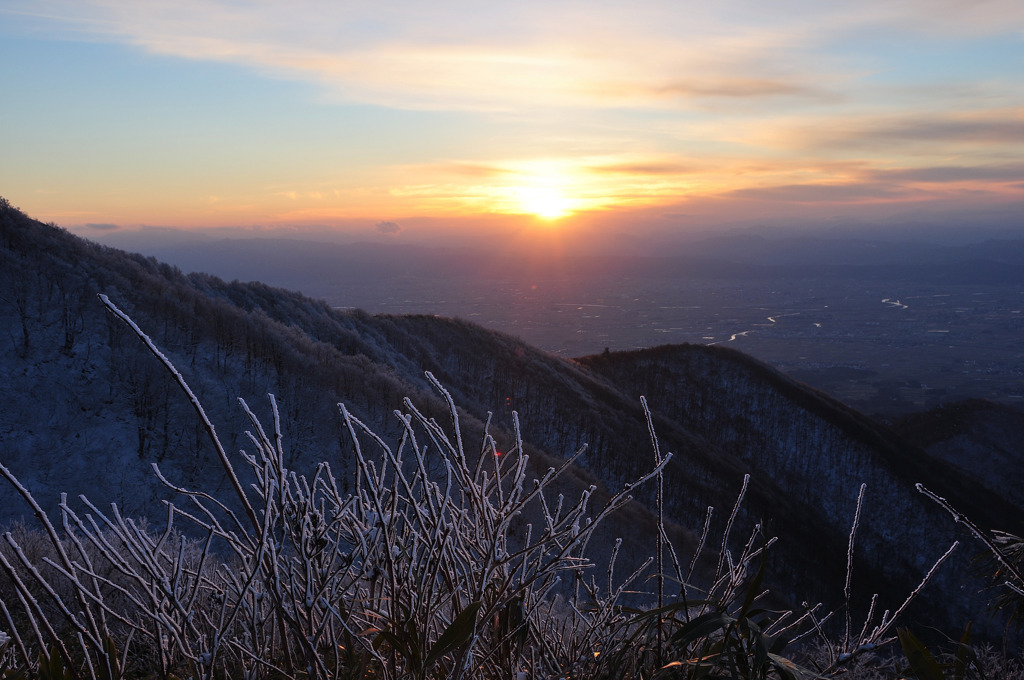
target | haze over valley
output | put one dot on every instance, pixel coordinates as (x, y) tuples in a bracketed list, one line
[(889, 328)]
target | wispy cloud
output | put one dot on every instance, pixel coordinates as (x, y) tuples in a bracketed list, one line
[(1013, 172), (457, 54), (823, 193), (644, 168), (464, 55), (469, 169), (739, 88), (972, 127)]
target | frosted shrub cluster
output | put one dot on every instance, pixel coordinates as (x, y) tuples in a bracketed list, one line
[(415, 573), (444, 562)]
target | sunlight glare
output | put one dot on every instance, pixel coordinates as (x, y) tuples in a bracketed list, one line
[(544, 202)]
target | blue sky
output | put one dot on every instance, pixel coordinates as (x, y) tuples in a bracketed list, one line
[(451, 118)]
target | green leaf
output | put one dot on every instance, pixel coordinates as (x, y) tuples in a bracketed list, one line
[(460, 630), (512, 628), (51, 666), (511, 616), (113, 665), (964, 655), (921, 661), (791, 671), (397, 643), (760, 660), (701, 627), (20, 673), (777, 643), (784, 667), (753, 588)]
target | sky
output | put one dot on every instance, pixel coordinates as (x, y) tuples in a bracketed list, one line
[(475, 120)]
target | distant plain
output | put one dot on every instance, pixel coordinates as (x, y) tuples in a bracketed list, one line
[(882, 347), (886, 328)]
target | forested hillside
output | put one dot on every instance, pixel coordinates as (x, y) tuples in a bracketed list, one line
[(86, 409), (982, 440)]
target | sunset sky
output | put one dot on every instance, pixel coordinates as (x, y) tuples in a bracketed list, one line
[(409, 120)]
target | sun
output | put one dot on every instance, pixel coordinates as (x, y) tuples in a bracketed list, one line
[(546, 203)]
